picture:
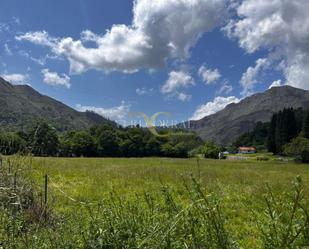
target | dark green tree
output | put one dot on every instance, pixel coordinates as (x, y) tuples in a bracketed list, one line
[(290, 124), (15, 143), (11, 143), (43, 140), (298, 148), (134, 142), (286, 128), (82, 144), (211, 150), (65, 144), (167, 150), (181, 150), (279, 133), (153, 146), (271, 141), (107, 143), (305, 129)]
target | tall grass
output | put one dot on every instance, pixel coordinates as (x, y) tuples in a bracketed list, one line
[(189, 216), (285, 221)]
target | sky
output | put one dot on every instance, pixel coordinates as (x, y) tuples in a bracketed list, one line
[(189, 58)]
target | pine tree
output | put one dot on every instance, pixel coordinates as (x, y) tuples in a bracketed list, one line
[(286, 128), (290, 125), (279, 132), (305, 129), (271, 142)]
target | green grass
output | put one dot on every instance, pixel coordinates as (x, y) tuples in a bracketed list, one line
[(89, 178), (240, 185)]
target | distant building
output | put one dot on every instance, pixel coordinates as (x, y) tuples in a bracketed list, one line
[(246, 150)]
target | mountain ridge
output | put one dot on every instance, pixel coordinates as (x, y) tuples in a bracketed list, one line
[(21, 106), (237, 118)]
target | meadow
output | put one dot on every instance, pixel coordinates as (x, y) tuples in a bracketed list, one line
[(172, 203)]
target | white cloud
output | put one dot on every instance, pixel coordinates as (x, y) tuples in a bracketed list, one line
[(276, 83), (225, 89), (157, 32), (117, 113), (281, 27), (250, 78), (16, 79), (177, 80), (184, 97), (209, 76), (141, 91), (7, 49), (41, 60), (52, 78), (144, 91), (218, 104), (39, 38)]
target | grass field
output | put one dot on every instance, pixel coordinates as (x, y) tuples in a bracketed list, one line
[(239, 185)]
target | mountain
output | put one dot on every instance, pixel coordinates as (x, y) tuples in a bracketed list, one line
[(226, 125), (21, 106)]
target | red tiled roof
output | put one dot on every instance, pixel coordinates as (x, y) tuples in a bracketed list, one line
[(247, 148)]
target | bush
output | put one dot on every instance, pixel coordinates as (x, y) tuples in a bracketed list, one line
[(298, 148), (211, 150), (11, 143), (263, 158), (43, 140)]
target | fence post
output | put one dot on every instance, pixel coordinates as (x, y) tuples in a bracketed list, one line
[(45, 197)]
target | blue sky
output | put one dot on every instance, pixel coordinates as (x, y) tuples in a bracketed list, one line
[(189, 57)]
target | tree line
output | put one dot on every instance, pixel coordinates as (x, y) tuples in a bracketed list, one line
[(100, 141), (287, 133)]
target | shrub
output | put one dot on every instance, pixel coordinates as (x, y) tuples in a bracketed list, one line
[(263, 158), (211, 150), (298, 148)]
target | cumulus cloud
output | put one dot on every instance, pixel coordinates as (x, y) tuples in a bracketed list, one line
[(276, 83), (177, 80), (117, 113), (157, 32), (209, 76), (54, 79), (250, 78), (218, 104), (280, 26), (16, 79), (39, 38)]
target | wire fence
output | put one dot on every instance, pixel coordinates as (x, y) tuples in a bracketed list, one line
[(52, 185), (23, 186)]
